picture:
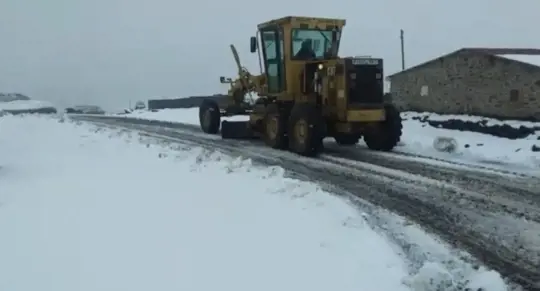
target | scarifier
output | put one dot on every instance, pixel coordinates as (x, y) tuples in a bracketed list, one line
[(305, 92)]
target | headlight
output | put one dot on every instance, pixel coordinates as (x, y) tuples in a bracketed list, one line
[(321, 66)]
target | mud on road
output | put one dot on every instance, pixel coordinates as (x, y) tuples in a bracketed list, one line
[(495, 216)]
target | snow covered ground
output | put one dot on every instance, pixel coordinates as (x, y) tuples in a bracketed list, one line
[(418, 138), (18, 105), (87, 208)]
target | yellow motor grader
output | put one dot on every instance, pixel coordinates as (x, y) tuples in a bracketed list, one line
[(305, 92)]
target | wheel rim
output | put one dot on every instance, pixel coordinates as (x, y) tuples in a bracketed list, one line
[(272, 128), (300, 131)]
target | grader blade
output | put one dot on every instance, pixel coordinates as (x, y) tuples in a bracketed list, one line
[(236, 130)]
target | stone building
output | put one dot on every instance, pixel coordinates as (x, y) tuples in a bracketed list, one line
[(495, 82)]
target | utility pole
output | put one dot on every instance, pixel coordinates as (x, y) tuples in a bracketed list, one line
[(402, 50)]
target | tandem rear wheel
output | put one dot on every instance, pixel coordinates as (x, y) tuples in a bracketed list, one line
[(387, 134)]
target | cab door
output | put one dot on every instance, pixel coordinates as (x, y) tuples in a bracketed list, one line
[(274, 62)]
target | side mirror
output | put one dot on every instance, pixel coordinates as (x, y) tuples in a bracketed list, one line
[(253, 44)]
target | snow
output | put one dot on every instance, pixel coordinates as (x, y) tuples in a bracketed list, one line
[(25, 105), (6, 97), (418, 138), (85, 209), (529, 59)]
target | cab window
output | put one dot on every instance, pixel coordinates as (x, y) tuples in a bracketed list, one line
[(272, 41), (317, 41)]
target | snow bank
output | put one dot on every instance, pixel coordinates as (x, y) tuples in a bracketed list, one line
[(20, 105), (6, 97), (87, 209), (419, 137)]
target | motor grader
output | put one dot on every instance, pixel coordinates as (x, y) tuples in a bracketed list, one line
[(305, 92)]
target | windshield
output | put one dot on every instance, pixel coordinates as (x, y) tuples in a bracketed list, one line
[(317, 41)]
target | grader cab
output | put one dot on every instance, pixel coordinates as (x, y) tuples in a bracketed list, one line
[(306, 92)]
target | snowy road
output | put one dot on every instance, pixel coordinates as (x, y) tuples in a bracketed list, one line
[(493, 215), (85, 207)]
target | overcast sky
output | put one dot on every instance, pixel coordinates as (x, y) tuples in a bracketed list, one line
[(108, 52)]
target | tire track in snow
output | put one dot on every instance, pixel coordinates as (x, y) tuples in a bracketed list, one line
[(407, 197), (395, 154)]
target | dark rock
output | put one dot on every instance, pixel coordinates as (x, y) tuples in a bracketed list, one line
[(505, 131)]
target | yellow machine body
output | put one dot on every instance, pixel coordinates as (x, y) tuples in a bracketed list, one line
[(300, 66)]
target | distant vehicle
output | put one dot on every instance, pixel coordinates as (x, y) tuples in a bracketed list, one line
[(140, 105), (85, 109)]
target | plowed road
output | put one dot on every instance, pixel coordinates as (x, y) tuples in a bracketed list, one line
[(493, 215)]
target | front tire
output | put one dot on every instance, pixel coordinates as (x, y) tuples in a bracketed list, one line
[(275, 128), (305, 130), (209, 116)]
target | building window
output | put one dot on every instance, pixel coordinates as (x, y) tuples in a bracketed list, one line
[(514, 95), (424, 91)]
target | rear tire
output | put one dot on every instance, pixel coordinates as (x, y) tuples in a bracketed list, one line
[(386, 135), (305, 130), (275, 128), (209, 116)]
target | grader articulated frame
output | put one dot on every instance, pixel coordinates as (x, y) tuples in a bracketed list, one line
[(306, 92)]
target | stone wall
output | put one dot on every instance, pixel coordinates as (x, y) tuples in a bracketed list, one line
[(187, 102), (470, 83)]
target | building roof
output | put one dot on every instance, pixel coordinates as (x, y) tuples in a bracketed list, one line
[(530, 56)]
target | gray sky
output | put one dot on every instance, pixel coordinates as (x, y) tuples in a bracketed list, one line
[(108, 52)]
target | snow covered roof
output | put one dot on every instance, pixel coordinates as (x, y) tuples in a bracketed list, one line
[(529, 59), (525, 55)]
